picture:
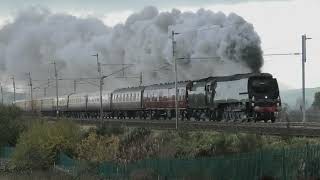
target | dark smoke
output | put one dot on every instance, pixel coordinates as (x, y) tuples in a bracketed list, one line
[(37, 36)]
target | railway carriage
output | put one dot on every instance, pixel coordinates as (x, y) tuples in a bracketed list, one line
[(63, 105), (76, 105), (94, 101), (127, 102), (22, 104), (159, 100), (48, 106), (37, 105), (93, 104)]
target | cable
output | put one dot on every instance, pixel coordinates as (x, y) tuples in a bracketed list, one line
[(283, 54)]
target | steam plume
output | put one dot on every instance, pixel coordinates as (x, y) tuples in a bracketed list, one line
[(37, 36)]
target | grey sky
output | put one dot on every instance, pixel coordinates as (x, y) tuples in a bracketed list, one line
[(9, 6), (280, 24)]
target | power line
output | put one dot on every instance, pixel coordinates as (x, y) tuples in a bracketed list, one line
[(116, 64), (88, 82), (197, 30), (282, 54)]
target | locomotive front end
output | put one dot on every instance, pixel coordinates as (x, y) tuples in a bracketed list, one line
[(264, 97)]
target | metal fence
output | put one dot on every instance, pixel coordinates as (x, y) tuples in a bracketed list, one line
[(6, 152), (298, 163)]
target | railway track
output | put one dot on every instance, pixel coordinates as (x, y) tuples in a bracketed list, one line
[(310, 129)]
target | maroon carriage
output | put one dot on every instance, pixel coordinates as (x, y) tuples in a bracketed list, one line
[(159, 100)]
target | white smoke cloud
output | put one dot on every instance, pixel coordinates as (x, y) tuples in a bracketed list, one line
[(37, 36)]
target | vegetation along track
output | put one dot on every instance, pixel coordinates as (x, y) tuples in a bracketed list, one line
[(279, 128)]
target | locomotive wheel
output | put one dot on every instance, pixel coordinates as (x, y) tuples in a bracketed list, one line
[(188, 115), (273, 117), (225, 116), (198, 116), (212, 116)]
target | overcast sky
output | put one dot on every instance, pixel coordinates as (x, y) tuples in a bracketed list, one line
[(280, 24)]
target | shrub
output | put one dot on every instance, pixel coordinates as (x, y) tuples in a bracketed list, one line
[(37, 147), (136, 145), (107, 130), (96, 148), (10, 125)]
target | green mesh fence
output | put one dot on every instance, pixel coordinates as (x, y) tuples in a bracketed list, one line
[(298, 163), (68, 164), (6, 152)]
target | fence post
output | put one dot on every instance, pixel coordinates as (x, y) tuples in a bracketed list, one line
[(284, 172), (306, 161), (260, 163)]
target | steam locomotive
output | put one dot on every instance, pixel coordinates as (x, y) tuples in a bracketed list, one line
[(240, 97)]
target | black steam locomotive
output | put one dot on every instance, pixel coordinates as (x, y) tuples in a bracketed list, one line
[(241, 97)]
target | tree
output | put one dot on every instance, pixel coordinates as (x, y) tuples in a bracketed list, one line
[(316, 102)]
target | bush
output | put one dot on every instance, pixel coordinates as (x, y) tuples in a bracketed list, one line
[(37, 147), (206, 144), (107, 130), (10, 125), (136, 145), (96, 148)]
